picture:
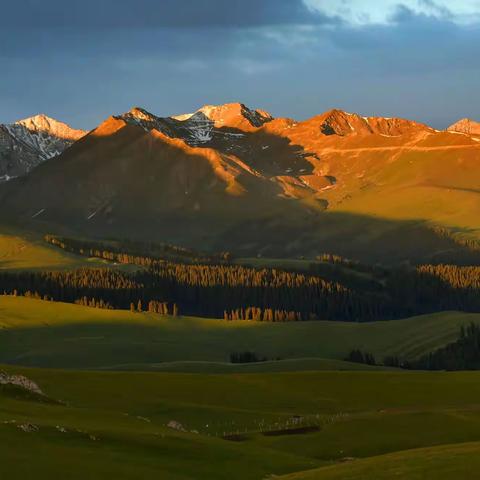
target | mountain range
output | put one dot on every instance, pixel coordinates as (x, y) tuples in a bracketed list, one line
[(230, 177)]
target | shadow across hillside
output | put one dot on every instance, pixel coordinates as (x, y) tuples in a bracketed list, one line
[(358, 237), (138, 185), (266, 152), (107, 185)]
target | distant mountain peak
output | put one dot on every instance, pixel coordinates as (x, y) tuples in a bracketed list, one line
[(29, 142), (140, 117), (141, 114), (341, 123), (467, 126), (236, 115), (203, 126), (42, 123)]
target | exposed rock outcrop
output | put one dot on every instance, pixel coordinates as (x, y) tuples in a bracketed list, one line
[(20, 381)]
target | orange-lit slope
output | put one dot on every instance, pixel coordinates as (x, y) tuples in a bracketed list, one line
[(231, 177)]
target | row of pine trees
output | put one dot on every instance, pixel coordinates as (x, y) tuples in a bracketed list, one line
[(236, 292)]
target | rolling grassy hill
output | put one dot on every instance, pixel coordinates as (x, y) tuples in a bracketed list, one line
[(27, 252), (20, 250), (95, 424), (39, 333), (438, 463)]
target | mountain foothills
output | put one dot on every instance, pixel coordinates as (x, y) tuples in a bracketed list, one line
[(231, 178), (27, 143)]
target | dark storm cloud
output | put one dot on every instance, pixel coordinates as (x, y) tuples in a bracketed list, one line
[(81, 61), (156, 13), (415, 43)]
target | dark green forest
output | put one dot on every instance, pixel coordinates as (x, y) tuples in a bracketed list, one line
[(218, 288), (463, 354)]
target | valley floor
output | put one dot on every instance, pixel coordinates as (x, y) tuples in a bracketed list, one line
[(138, 395)]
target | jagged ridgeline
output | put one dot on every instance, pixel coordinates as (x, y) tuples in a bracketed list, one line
[(221, 289), (232, 178)]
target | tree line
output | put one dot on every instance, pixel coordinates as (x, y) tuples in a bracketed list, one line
[(462, 354), (230, 292), (134, 252), (236, 292)]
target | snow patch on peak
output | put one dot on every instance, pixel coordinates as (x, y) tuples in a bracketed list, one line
[(195, 129), (43, 124), (148, 121), (183, 117), (201, 127), (223, 115), (229, 115), (29, 142), (44, 135), (141, 114)]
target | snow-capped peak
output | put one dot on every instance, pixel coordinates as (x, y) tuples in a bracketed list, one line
[(44, 135), (141, 114), (229, 115), (200, 128), (43, 124), (29, 142), (143, 118)]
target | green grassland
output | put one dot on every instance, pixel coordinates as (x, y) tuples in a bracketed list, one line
[(438, 463), (113, 424), (20, 252), (115, 379), (272, 366), (47, 334), (28, 251)]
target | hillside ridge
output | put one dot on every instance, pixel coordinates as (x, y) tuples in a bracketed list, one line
[(235, 178)]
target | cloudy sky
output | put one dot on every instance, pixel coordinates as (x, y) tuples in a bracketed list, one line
[(81, 61)]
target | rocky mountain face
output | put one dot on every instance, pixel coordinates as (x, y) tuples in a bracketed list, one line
[(203, 126), (337, 122), (233, 178), (466, 126), (27, 143)]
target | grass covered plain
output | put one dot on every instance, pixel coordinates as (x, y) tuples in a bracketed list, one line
[(114, 424), (47, 334), (308, 416), (446, 462)]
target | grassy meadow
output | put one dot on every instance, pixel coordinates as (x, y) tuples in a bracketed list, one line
[(436, 463), (113, 381), (48, 334), (24, 252), (245, 426), (21, 250)]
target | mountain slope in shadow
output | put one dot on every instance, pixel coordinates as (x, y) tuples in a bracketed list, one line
[(233, 178)]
